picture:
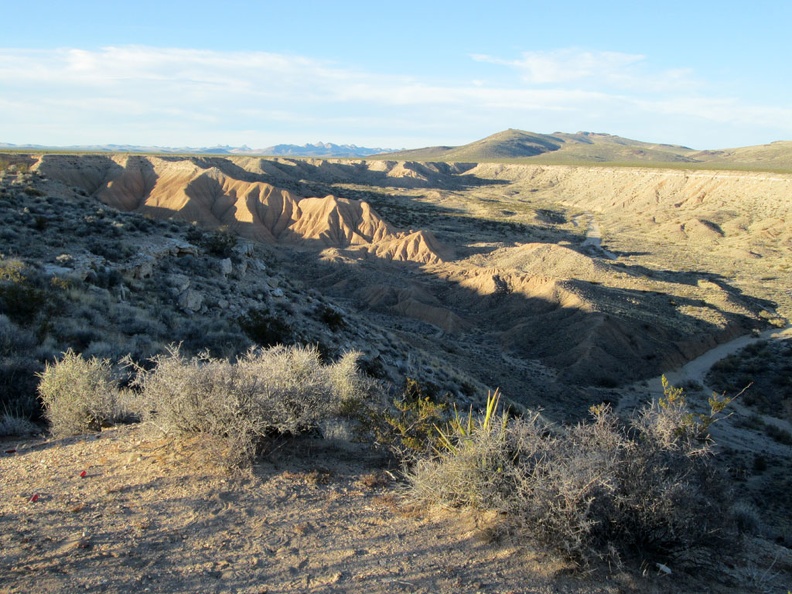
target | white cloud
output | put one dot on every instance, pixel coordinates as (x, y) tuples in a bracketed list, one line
[(600, 69), (163, 96), (723, 111)]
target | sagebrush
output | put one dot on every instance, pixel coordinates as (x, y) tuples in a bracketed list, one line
[(599, 490), (79, 395), (266, 392)]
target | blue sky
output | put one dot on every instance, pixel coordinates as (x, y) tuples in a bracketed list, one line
[(409, 74)]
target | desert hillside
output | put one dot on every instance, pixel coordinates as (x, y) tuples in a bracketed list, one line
[(561, 286), (497, 255), (593, 148)]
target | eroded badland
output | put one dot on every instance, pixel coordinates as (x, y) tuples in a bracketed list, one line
[(514, 276), (562, 285)]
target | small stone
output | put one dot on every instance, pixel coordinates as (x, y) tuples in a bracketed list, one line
[(191, 300)]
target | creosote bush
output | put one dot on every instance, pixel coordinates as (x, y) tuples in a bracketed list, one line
[(600, 490), (20, 297), (79, 395), (266, 329), (220, 242), (330, 317), (408, 427), (237, 405)]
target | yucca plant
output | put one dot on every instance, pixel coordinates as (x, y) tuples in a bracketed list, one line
[(459, 429), (473, 460)]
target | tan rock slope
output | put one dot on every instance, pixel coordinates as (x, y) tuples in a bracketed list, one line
[(714, 221), (201, 191)]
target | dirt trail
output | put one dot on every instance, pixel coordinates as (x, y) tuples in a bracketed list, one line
[(729, 432), (697, 369), (593, 239)]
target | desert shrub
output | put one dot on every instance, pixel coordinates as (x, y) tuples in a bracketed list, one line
[(265, 329), (31, 191), (113, 251), (747, 518), (408, 425), (107, 278), (597, 490), (330, 317), (215, 335), (350, 386), (474, 461), (778, 434), (194, 234), (762, 369), (20, 297), (79, 395), (18, 386), (40, 223), (220, 242), (239, 404), (11, 424), (13, 339), (373, 367)]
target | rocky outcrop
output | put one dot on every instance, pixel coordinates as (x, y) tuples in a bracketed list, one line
[(218, 192)]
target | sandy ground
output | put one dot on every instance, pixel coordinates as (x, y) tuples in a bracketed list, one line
[(313, 516), (150, 515)]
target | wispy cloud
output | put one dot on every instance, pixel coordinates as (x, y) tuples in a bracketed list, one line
[(164, 95), (590, 68)]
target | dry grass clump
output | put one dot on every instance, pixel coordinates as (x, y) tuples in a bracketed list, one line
[(599, 490), (79, 395), (275, 391), (11, 424)]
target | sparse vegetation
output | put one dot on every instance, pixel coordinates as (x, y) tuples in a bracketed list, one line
[(596, 490), (11, 424), (330, 317), (408, 427), (79, 395), (266, 329), (220, 242), (767, 367), (21, 297), (81, 278), (779, 434), (277, 391)]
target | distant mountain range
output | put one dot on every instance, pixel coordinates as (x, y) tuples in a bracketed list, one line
[(518, 146), (324, 149), (319, 149)]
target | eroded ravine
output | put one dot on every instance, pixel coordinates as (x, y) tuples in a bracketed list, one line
[(596, 317)]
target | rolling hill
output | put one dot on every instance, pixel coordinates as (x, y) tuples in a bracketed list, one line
[(591, 148)]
